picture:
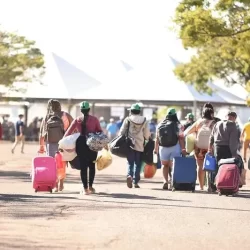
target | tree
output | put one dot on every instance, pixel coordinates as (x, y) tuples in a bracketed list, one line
[(20, 60), (220, 32)]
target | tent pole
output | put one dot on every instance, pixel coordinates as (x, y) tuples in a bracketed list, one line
[(195, 109)]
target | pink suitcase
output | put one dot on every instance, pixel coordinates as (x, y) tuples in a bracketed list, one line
[(44, 173), (228, 179)]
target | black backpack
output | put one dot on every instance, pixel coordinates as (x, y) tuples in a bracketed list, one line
[(168, 134)]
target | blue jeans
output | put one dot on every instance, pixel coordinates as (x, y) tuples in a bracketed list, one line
[(134, 165)]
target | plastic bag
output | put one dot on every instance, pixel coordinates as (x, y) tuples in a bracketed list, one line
[(68, 154), (97, 141), (61, 166), (190, 143), (149, 171), (104, 160), (69, 142)]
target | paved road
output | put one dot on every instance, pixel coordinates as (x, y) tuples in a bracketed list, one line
[(116, 217)]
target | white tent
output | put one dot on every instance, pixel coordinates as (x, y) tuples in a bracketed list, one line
[(62, 80), (116, 83)]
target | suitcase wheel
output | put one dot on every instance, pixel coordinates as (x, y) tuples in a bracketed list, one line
[(193, 190), (219, 194), (50, 190), (36, 190), (173, 189)]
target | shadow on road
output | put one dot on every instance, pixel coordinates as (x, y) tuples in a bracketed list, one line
[(167, 205), (135, 197), (15, 175), (107, 179), (30, 198)]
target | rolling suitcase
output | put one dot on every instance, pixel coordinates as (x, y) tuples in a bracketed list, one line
[(184, 174), (228, 177), (44, 173)]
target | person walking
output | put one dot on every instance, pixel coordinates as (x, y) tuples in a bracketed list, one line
[(245, 138), (84, 125), (19, 134), (202, 128), (112, 129), (189, 121), (138, 130), (223, 142), (52, 130), (169, 142)]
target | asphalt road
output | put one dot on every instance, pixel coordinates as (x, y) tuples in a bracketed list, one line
[(116, 217)]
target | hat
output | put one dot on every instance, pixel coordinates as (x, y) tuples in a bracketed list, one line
[(135, 106), (171, 111), (84, 105), (232, 113), (190, 116)]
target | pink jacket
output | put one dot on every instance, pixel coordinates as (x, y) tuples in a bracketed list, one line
[(92, 126)]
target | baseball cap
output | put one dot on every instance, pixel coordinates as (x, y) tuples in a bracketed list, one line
[(171, 111), (190, 116), (135, 106), (84, 105), (232, 113)]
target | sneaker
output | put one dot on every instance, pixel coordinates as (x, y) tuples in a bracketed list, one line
[(165, 186), (136, 186), (129, 182)]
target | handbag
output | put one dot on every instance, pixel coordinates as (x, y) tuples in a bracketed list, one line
[(148, 153), (121, 144)]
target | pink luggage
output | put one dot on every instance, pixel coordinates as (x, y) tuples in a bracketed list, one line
[(44, 173), (228, 179)]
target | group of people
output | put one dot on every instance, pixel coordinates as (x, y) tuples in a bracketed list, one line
[(223, 142)]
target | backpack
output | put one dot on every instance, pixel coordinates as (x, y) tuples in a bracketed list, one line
[(54, 128), (203, 135), (168, 134)]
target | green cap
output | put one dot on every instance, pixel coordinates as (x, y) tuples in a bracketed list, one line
[(190, 116), (84, 105), (135, 106), (171, 111)]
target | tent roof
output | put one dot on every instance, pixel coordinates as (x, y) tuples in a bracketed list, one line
[(120, 82)]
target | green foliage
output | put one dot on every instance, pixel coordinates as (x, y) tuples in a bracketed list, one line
[(220, 32), (20, 60)]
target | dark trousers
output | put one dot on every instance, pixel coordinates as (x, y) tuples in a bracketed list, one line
[(220, 152), (134, 165), (87, 158)]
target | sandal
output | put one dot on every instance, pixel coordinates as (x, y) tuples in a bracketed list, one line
[(85, 191), (91, 190)]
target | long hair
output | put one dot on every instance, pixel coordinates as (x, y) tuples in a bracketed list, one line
[(54, 106), (208, 105), (172, 118), (85, 113), (207, 113)]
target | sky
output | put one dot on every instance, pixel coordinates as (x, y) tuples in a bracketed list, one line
[(86, 31)]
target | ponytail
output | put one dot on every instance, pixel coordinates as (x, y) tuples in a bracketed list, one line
[(85, 113)]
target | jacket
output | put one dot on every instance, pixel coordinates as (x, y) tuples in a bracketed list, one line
[(225, 133), (138, 130)]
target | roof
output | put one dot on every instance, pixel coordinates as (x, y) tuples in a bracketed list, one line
[(120, 81)]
